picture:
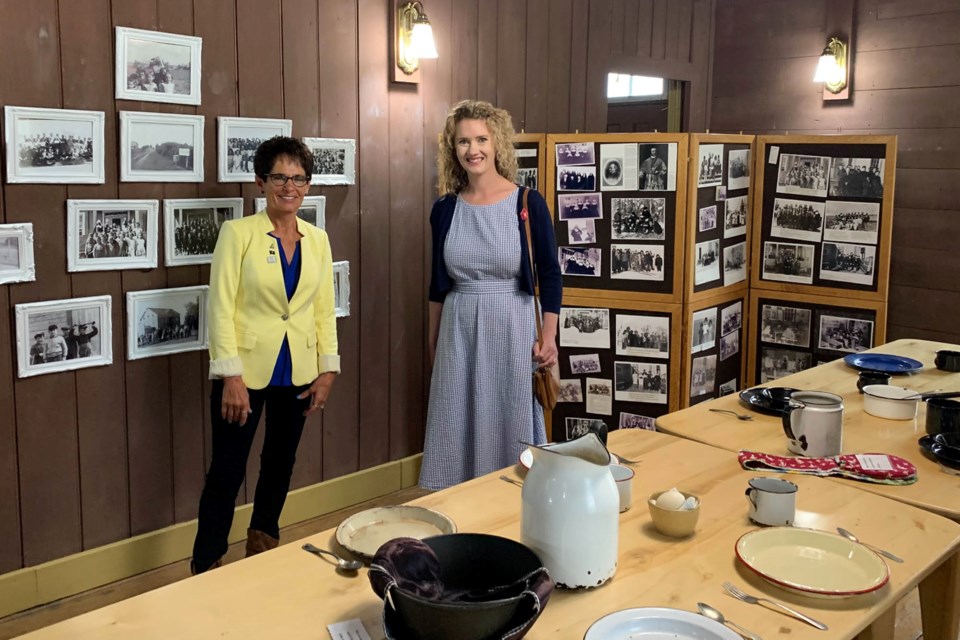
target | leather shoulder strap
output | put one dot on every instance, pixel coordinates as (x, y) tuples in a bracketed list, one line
[(525, 214)]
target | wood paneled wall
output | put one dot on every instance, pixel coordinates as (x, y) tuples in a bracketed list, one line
[(905, 82), (97, 455)]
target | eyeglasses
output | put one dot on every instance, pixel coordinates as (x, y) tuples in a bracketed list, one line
[(279, 179)]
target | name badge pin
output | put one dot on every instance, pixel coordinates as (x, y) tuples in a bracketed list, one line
[(271, 259)]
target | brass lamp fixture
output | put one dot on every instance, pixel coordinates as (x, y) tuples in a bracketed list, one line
[(832, 66), (414, 37)]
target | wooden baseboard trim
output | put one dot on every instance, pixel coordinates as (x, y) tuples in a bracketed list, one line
[(34, 586)]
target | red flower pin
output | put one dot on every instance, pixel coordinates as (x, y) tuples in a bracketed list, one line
[(523, 214)]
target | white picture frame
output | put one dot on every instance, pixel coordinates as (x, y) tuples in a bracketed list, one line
[(125, 239), (183, 249), (54, 146), (334, 160), (165, 321), (43, 350), (169, 147), (16, 253), (341, 288), (313, 210), (153, 66), (237, 135)]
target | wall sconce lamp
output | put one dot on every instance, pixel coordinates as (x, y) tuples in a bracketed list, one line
[(414, 39), (832, 67)]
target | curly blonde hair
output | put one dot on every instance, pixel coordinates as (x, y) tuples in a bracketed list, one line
[(452, 176)]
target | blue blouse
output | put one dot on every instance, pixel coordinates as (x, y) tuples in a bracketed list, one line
[(283, 370)]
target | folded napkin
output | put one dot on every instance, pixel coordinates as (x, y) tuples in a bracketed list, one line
[(879, 468)]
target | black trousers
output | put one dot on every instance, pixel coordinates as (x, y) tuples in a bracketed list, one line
[(231, 448)]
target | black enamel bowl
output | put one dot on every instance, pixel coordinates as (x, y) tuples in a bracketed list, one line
[(943, 416)]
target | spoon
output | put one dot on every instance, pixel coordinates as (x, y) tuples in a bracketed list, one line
[(342, 563), (713, 614), (849, 536), (740, 416)]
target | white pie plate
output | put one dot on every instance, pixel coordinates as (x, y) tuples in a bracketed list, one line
[(657, 623), (364, 532), (812, 563), (526, 459)]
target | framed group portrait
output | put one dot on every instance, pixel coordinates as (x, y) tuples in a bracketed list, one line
[(237, 142), (341, 288), (112, 234), (61, 335), (160, 147), (16, 253), (192, 226), (334, 160), (165, 321), (60, 146), (157, 67), (313, 210)]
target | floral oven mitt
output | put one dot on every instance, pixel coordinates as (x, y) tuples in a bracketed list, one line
[(879, 468)]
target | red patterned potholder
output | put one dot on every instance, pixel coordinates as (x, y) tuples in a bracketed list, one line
[(880, 468)]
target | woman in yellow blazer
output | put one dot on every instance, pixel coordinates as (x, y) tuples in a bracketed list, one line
[(273, 342)]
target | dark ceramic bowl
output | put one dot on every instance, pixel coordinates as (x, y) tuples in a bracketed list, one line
[(943, 416)]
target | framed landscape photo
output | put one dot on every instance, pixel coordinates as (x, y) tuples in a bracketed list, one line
[(157, 67), (165, 321), (61, 335), (341, 288), (237, 142), (191, 228), (313, 210), (16, 253), (112, 234), (334, 160), (160, 147), (61, 146)]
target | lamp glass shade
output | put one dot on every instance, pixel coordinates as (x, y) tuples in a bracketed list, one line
[(421, 41), (828, 69)]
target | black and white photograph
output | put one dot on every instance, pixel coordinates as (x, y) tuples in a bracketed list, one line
[(580, 261), (584, 327), (60, 146), (721, 194), (577, 427), (527, 177), (160, 147), (703, 335), (638, 218), (599, 396), (797, 219), (803, 175), (643, 336), (707, 268), (641, 382), (112, 234), (727, 388), (157, 67), (341, 288), (710, 165), (735, 217), (191, 228), (61, 335), (703, 375), (165, 321), (312, 211), (734, 264), (580, 205), (575, 153), (237, 141), (788, 262), (588, 363), (851, 222), (334, 160), (852, 263), (845, 334), (731, 317), (582, 232), (707, 218), (729, 345), (738, 169), (636, 421), (777, 363), (636, 262), (658, 167), (577, 179), (571, 390), (856, 178), (619, 170), (785, 325), (16, 253)]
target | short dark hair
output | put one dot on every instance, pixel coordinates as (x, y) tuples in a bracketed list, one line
[(52, 327), (269, 150)]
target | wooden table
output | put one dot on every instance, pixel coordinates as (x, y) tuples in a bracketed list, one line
[(287, 593)]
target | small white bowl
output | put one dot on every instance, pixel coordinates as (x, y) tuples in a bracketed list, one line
[(886, 401)]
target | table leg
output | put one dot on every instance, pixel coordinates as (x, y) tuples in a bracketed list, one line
[(940, 601), (883, 627)]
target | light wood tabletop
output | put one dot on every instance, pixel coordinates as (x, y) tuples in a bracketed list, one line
[(288, 593)]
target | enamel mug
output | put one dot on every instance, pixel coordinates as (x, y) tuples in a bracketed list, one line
[(772, 501), (813, 424)]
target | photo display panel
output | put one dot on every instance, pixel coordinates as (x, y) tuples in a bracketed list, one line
[(528, 165), (716, 358), (822, 215)]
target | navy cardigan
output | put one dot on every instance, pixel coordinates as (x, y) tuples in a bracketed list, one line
[(544, 250)]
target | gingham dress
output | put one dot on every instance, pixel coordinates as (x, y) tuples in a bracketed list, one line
[(481, 395)]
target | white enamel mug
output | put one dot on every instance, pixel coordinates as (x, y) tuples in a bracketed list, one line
[(813, 424), (772, 501), (623, 475)]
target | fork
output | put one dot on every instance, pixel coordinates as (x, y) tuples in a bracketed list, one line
[(741, 595)]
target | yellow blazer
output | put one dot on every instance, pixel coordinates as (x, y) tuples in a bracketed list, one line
[(248, 313)]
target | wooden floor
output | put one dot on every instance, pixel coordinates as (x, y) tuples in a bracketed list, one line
[(908, 610)]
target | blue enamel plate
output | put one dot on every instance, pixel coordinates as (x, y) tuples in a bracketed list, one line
[(882, 362)]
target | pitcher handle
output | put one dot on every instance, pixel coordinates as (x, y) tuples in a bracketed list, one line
[(792, 406)]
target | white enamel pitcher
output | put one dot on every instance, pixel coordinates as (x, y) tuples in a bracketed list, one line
[(570, 512)]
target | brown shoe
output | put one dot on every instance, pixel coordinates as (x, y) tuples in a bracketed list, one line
[(215, 565), (258, 542)]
